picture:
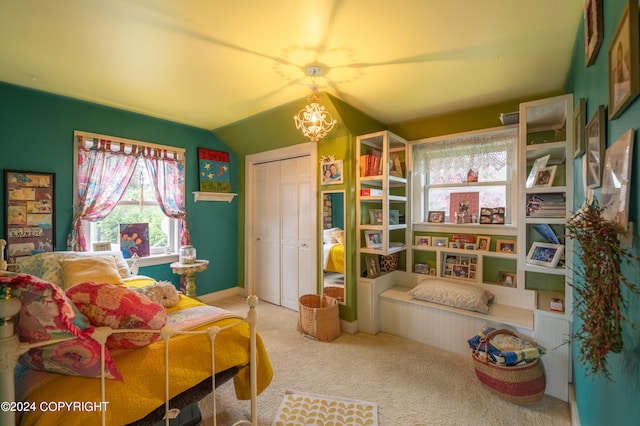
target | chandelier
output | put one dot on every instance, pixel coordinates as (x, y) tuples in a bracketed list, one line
[(314, 121)]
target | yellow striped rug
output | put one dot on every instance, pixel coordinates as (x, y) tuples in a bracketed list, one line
[(300, 408)]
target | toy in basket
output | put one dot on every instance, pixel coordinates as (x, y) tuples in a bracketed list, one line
[(319, 317), (516, 375)]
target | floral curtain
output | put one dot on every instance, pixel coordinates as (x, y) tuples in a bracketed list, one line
[(167, 174), (103, 176)]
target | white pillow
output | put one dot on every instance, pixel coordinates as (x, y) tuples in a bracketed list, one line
[(452, 294), (326, 236)]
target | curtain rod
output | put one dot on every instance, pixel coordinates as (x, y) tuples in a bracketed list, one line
[(127, 141)]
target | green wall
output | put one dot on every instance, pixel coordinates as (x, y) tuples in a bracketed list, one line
[(36, 133), (601, 402)]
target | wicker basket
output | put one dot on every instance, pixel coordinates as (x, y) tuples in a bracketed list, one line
[(335, 292), (519, 384), (319, 317)]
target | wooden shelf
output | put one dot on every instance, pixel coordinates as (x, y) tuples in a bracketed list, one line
[(213, 196)]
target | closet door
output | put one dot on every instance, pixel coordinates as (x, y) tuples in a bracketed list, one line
[(298, 263), (266, 222)]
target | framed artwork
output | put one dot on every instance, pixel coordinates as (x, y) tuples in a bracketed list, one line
[(373, 265), (623, 62), (454, 245), (506, 246), (395, 167), (394, 217), (594, 151), (462, 206), (544, 176), (422, 268), (101, 246), (375, 216), (497, 216), (134, 239), (483, 242), (373, 239), (439, 241), (423, 240), (332, 172), (436, 217), (29, 226), (593, 30), (615, 179), (507, 279), (470, 246), (537, 165), (545, 254), (578, 128), (213, 170)]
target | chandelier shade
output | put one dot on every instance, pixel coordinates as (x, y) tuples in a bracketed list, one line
[(314, 120)]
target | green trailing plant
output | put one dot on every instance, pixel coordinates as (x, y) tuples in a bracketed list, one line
[(599, 299)]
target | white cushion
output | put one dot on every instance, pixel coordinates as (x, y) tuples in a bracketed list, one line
[(462, 296)]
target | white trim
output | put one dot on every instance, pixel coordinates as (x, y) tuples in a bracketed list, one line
[(293, 151), (127, 141)]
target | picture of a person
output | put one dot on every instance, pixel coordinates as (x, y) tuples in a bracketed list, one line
[(543, 178), (335, 173), (482, 245)]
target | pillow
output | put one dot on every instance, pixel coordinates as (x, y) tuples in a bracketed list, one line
[(46, 314), (337, 237), (119, 307), (47, 265), (452, 294), (326, 235), (101, 270)]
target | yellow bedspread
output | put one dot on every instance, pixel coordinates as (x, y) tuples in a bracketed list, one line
[(335, 262), (143, 388)]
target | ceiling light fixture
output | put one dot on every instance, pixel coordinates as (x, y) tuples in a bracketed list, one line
[(314, 121)]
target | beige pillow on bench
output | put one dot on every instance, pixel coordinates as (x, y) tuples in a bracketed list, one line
[(462, 296)]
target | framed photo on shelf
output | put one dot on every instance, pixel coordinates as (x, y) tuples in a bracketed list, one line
[(423, 240), (101, 246), (29, 226), (422, 268), (497, 216), (578, 128), (537, 165), (436, 217), (454, 245), (615, 179), (394, 217), (440, 241), (373, 265), (544, 176), (507, 279), (545, 254), (483, 242), (593, 30), (624, 75), (469, 246), (373, 239), (462, 206), (506, 246), (594, 151), (375, 216)]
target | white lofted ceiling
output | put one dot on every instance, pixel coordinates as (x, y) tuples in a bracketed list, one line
[(208, 63)]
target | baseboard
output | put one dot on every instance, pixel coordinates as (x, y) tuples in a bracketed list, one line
[(573, 406), (222, 294), (350, 327)]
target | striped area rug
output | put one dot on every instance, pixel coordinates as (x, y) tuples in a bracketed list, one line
[(300, 408)]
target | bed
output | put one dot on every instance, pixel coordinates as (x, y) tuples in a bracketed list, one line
[(333, 250), (134, 383)]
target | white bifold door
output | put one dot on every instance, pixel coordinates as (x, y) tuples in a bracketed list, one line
[(284, 212)]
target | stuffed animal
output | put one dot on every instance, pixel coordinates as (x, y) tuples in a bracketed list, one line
[(163, 292)]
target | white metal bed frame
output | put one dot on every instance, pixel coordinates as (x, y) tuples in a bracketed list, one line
[(11, 348)]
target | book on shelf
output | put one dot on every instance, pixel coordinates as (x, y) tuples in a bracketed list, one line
[(371, 163), (546, 205)]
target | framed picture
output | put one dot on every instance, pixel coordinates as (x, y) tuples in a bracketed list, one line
[(615, 179), (462, 206), (497, 216), (623, 62), (544, 176), (373, 239), (394, 217), (578, 128), (506, 246), (507, 279), (213, 170), (545, 254), (373, 265), (439, 241), (470, 246), (422, 268), (29, 226), (454, 245), (436, 217), (594, 151), (593, 30), (375, 216), (332, 172), (423, 240), (537, 165), (395, 167), (484, 242), (134, 239), (101, 246)]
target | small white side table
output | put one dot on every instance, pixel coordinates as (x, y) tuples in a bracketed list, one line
[(189, 271)]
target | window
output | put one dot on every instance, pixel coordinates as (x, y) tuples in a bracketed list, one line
[(120, 181), (482, 162)]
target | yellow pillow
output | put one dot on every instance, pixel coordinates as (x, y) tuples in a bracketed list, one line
[(101, 270)]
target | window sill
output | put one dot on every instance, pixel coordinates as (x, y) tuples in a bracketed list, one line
[(158, 259)]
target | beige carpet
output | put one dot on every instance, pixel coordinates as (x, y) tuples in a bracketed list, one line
[(412, 384)]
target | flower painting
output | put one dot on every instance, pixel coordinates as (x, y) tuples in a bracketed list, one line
[(134, 238)]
